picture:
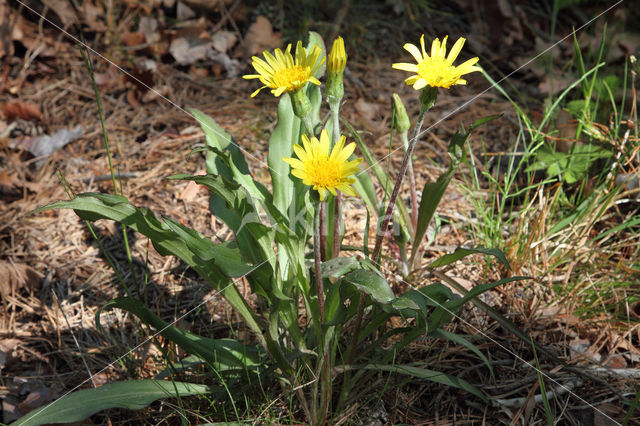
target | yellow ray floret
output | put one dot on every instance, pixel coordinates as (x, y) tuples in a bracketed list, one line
[(322, 170), (282, 73), (436, 70)]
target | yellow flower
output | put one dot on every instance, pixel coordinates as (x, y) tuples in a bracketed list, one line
[(324, 171), (436, 70), (337, 59), (282, 73)]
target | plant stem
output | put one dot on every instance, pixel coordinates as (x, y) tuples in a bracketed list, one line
[(385, 223), (412, 185), (337, 206), (337, 221), (323, 232), (317, 245), (396, 189)]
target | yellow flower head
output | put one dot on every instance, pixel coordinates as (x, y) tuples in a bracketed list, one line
[(281, 73), (324, 171), (436, 70), (337, 59)]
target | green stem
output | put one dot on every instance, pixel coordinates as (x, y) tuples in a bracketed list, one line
[(317, 246), (385, 222), (337, 206), (125, 238), (412, 185), (396, 189)]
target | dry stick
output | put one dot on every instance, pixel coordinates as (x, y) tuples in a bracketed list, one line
[(385, 223)]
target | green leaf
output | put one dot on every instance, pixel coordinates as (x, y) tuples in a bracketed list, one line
[(372, 284), (233, 165), (226, 255), (481, 121), (461, 252), (284, 136), (221, 354), (93, 206), (132, 395), (479, 289), (233, 205), (434, 376), (316, 39), (338, 266), (456, 338), (431, 195)]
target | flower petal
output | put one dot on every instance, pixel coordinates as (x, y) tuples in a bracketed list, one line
[(455, 50), (405, 67), (415, 52)]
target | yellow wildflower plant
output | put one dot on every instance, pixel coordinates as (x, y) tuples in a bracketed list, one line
[(436, 70), (325, 171), (282, 73)]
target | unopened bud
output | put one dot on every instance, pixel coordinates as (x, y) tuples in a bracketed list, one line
[(402, 119), (336, 62), (337, 57)]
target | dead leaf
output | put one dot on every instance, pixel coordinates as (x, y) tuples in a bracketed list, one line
[(14, 276), (18, 109), (6, 348), (260, 36), (36, 399), (45, 145), (189, 193), (93, 17), (7, 181), (10, 411), (188, 50), (184, 12), (64, 11), (133, 39), (581, 349), (224, 40), (232, 66), (149, 27)]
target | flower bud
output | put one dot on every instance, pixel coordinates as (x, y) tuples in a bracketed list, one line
[(301, 104), (337, 57), (402, 119), (336, 63)]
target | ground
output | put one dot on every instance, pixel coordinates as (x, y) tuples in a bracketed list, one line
[(54, 277)]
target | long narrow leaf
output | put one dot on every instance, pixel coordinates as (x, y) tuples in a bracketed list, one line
[(461, 252), (434, 376), (221, 353), (133, 395)]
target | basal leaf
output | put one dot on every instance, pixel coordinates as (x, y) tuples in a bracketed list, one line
[(372, 284), (434, 376), (221, 354), (461, 252), (133, 395)]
